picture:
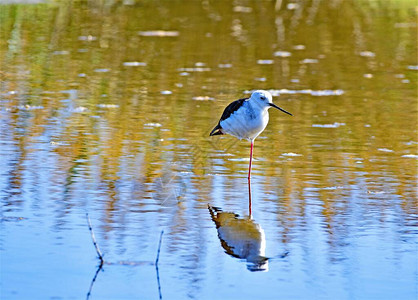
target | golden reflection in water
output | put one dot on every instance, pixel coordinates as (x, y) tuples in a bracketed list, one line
[(67, 95), (241, 238)]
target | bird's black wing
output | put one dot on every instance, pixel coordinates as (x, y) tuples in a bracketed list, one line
[(229, 110)]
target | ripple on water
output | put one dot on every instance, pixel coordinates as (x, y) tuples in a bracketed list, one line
[(61, 52), (152, 125), (384, 150), (101, 70), (134, 64), (243, 9), (29, 107), (334, 125), (282, 54), (203, 98), (327, 93), (103, 105), (291, 154), (410, 156), (309, 61), (79, 109), (265, 61), (159, 33), (299, 47), (367, 54), (196, 69), (317, 93), (87, 38)]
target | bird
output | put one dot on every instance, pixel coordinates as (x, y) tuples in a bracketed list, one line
[(246, 118)]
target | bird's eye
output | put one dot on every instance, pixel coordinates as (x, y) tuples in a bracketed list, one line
[(263, 98)]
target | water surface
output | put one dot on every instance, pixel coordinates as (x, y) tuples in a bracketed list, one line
[(106, 107)]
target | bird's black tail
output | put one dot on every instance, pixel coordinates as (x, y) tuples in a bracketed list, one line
[(216, 131)]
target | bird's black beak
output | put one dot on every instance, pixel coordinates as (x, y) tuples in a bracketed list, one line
[(275, 106)]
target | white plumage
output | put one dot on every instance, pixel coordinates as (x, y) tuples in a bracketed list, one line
[(246, 118), (248, 121)]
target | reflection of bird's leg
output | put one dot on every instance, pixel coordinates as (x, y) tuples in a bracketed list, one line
[(249, 197)]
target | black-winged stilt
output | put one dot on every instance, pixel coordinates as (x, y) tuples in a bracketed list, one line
[(246, 118)]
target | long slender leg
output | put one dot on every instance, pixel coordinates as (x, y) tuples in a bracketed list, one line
[(249, 178), (251, 160)]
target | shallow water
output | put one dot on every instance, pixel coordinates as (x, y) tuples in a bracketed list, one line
[(105, 108)]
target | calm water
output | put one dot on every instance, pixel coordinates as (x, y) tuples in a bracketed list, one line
[(105, 108)]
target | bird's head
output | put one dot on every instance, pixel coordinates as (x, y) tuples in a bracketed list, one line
[(264, 99)]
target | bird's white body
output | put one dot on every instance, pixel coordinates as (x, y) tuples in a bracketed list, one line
[(247, 118), (248, 121)]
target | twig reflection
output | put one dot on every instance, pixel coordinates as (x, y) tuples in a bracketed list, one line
[(128, 263), (94, 280), (156, 265)]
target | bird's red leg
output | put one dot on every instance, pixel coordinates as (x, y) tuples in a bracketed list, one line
[(251, 160), (249, 179)]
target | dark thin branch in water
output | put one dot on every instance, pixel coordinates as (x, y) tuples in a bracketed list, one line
[(94, 280), (99, 253), (156, 265), (132, 263), (159, 248)]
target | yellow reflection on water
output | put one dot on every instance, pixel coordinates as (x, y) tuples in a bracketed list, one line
[(123, 109)]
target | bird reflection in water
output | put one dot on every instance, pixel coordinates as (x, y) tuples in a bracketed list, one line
[(241, 238)]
